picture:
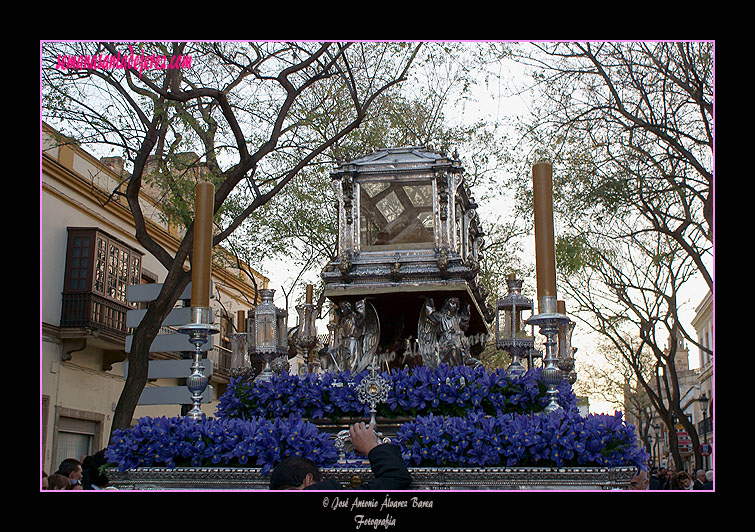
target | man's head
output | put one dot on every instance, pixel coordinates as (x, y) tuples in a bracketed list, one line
[(70, 468), (294, 473)]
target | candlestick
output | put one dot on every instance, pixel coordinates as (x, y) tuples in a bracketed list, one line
[(549, 318), (201, 263), (545, 249), (200, 327)]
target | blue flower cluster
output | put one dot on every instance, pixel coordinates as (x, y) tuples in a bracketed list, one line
[(329, 395), (446, 390), (561, 439), (181, 441), (458, 416)]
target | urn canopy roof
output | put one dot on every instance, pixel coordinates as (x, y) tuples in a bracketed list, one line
[(407, 158)]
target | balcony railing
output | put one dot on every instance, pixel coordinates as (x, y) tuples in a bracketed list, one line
[(221, 358), (86, 309), (705, 427)]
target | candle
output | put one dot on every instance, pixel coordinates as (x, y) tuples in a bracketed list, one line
[(545, 248), (561, 309), (241, 319), (309, 294), (201, 261)]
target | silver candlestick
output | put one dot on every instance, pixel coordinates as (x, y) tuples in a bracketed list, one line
[(549, 320), (199, 330)]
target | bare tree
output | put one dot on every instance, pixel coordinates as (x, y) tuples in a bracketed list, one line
[(626, 289), (631, 126), (628, 127), (245, 109)]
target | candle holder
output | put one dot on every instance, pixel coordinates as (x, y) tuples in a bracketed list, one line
[(305, 339), (513, 338), (199, 330), (549, 320)]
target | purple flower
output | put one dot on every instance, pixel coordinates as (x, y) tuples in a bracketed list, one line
[(169, 442)]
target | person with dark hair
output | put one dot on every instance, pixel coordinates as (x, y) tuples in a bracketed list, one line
[(71, 469), (92, 476), (388, 468), (684, 480)]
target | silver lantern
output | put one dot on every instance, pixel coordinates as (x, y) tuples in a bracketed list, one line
[(268, 333), (512, 336)]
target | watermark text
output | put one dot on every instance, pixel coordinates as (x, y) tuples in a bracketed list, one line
[(126, 61)]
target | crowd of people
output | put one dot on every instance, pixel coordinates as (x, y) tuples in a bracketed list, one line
[(658, 479), (73, 474)]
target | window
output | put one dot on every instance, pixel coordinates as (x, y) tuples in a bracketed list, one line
[(99, 269), (99, 263), (76, 437), (395, 215), (80, 257)]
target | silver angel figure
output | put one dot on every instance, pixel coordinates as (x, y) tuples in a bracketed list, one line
[(370, 336), (566, 352), (440, 333), (357, 335)]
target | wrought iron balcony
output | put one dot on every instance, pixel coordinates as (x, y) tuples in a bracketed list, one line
[(705, 427), (87, 309)]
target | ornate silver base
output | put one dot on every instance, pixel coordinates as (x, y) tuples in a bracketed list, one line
[(199, 331), (549, 321), (424, 478)]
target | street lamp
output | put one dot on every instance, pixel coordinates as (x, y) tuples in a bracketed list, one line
[(704, 405)]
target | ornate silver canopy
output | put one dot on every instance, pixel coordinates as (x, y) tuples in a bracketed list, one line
[(408, 230)]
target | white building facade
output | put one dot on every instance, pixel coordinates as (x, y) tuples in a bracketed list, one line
[(88, 256)]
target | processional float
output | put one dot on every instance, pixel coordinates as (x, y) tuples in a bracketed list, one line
[(405, 291)]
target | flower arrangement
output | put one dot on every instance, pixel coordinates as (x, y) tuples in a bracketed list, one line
[(561, 439), (446, 390), (459, 417), (182, 441)]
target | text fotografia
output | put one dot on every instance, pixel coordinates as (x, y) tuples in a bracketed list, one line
[(130, 61), (358, 504)]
